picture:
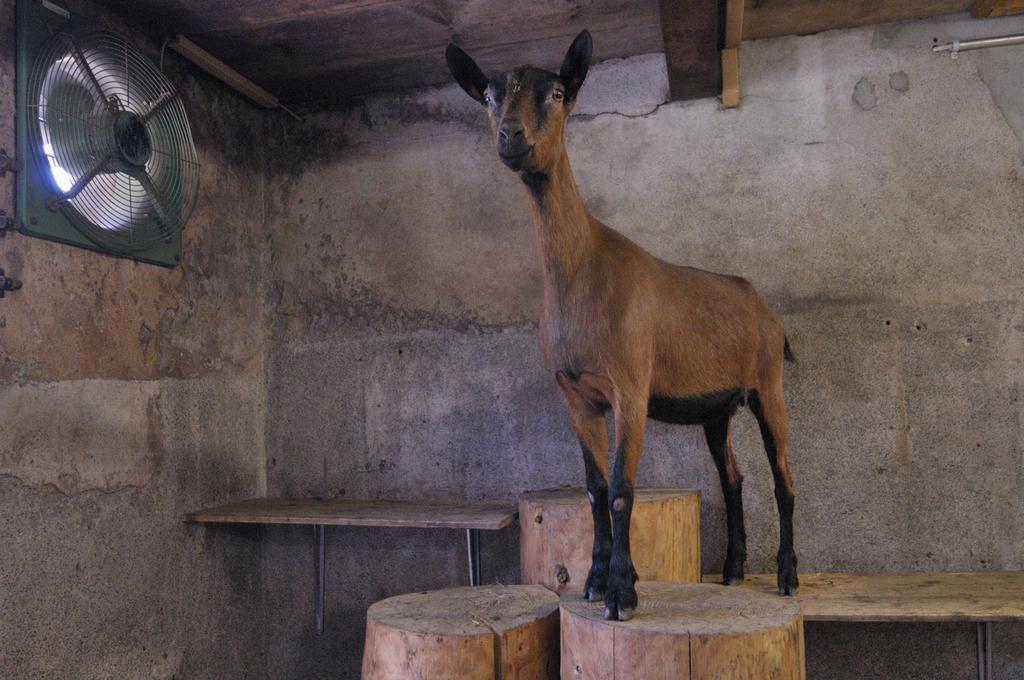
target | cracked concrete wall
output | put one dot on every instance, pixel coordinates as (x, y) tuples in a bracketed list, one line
[(130, 394), (886, 237)]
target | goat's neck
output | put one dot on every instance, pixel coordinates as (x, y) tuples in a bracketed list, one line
[(566, 236)]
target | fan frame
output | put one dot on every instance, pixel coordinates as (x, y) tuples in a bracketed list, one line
[(35, 23)]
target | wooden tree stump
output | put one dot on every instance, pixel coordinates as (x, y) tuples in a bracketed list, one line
[(500, 632), (556, 535), (685, 631)]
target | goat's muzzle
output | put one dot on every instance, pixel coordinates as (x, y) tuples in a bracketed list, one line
[(513, 147)]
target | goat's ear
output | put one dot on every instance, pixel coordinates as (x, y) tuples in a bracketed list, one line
[(466, 72), (576, 63)]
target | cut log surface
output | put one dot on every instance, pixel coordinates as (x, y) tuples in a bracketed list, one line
[(500, 632), (686, 631), (556, 535)]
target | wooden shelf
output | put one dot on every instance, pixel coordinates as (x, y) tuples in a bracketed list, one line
[(349, 512), (321, 513), (905, 597)]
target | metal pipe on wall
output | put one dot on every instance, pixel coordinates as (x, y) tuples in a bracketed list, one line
[(958, 46)]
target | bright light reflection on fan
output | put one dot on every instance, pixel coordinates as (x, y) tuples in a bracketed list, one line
[(63, 86), (64, 180)]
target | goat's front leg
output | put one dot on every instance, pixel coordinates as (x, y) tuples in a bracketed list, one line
[(630, 420), (594, 442), (593, 436)]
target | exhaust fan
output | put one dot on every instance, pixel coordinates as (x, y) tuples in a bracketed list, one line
[(112, 165)]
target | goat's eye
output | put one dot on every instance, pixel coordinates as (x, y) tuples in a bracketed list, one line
[(487, 99), (558, 95)]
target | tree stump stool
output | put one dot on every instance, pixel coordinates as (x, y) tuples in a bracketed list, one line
[(500, 632), (556, 535), (685, 631)]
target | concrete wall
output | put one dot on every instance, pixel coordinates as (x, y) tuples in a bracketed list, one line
[(884, 229), (358, 318), (130, 394)]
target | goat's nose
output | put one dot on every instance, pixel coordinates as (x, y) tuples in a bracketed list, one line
[(510, 132)]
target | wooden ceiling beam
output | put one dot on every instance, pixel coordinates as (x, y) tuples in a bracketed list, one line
[(734, 10), (387, 39), (212, 16), (787, 17), (996, 8), (730, 78), (331, 50), (388, 46), (692, 32), (332, 82)]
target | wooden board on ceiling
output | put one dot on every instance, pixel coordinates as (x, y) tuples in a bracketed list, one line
[(770, 18), (316, 50), (216, 16), (430, 68), (996, 8)]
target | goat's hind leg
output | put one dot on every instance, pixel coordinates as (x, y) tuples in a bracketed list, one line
[(720, 445), (769, 408), (593, 437)]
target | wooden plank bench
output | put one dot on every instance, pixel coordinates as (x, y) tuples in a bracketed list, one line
[(978, 597), (473, 516)]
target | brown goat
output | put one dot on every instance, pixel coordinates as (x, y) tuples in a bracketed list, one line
[(622, 330)]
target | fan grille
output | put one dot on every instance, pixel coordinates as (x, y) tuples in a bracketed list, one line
[(112, 139)]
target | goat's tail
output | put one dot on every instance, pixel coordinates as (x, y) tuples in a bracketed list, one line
[(787, 352)]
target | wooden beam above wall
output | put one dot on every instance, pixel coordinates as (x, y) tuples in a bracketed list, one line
[(770, 18), (734, 10), (730, 78), (731, 54), (692, 30), (996, 8), (318, 52)]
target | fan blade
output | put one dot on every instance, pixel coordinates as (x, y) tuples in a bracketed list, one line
[(69, 42), (163, 100), (143, 178), (176, 157), (54, 202), (61, 112)]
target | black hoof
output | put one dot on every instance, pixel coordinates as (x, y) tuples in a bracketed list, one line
[(618, 614), (732, 574), (597, 582), (788, 582), (620, 599)]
